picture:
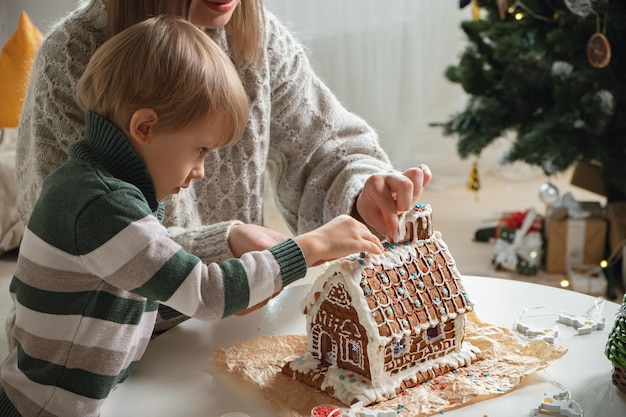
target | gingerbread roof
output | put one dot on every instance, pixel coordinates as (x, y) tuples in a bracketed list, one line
[(412, 286)]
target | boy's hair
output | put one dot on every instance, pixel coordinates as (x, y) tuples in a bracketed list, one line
[(167, 64), (245, 30)]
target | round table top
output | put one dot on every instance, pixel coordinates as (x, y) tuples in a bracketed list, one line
[(177, 377)]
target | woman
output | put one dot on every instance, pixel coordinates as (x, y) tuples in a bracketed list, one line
[(321, 160)]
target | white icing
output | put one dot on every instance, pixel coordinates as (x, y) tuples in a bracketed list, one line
[(343, 284), (357, 388)]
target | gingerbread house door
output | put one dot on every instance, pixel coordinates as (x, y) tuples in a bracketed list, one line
[(328, 348)]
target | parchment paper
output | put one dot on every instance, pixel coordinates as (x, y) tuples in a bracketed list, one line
[(505, 362)]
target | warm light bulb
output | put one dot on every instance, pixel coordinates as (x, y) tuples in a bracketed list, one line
[(519, 16), (533, 254), (604, 263), (564, 283)]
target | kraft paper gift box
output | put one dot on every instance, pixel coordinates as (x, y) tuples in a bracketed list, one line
[(575, 242)]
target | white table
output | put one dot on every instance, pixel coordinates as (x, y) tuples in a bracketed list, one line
[(177, 377)]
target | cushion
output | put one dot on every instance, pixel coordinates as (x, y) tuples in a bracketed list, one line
[(15, 66), (11, 227)]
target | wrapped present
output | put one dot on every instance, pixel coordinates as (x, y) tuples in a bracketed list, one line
[(588, 279), (575, 234), (518, 244)]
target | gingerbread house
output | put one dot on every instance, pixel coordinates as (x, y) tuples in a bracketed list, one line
[(378, 324)]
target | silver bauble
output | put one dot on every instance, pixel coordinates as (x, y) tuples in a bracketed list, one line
[(548, 193)]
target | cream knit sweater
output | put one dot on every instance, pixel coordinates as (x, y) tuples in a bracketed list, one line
[(317, 154)]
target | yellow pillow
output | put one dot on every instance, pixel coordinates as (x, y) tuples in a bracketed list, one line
[(15, 66)]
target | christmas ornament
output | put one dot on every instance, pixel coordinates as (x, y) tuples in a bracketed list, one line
[(473, 182), (615, 349), (548, 193), (598, 47), (475, 10), (581, 8), (502, 7)]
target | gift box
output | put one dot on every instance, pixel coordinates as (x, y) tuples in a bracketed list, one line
[(588, 279), (588, 177), (575, 240), (519, 242)]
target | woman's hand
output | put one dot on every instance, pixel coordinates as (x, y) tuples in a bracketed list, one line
[(385, 195)]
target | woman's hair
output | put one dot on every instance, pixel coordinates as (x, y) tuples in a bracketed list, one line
[(169, 65), (245, 31)]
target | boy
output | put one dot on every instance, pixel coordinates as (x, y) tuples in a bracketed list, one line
[(95, 261)]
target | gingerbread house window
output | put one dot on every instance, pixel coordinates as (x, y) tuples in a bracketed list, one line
[(400, 347), (434, 333), (353, 353)]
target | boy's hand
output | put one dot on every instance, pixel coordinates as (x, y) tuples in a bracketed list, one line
[(385, 195), (339, 237), (251, 237)]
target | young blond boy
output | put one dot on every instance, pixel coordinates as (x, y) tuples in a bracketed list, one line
[(95, 261)]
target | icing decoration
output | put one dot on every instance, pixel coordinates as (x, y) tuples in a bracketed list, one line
[(403, 310), (358, 410)]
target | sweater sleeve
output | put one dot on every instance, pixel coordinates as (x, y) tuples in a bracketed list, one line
[(51, 119), (320, 153), (132, 251)]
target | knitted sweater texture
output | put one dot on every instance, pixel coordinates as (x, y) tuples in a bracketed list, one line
[(315, 153), (94, 264)]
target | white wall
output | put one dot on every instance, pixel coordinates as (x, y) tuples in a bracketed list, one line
[(43, 13)]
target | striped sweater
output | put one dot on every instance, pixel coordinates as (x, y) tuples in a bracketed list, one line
[(94, 264)]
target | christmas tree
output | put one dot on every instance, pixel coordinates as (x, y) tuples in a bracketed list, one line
[(615, 349), (554, 73)]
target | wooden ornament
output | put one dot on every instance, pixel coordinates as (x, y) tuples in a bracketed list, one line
[(598, 50)]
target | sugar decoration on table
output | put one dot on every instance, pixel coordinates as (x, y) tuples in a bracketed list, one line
[(557, 405), (537, 333), (583, 323)]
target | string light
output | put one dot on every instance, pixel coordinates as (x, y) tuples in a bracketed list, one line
[(521, 14), (564, 283)]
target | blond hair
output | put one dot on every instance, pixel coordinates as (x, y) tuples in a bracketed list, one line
[(245, 31), (169, 65)]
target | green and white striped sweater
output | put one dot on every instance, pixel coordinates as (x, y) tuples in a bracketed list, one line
[(94, 264)]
